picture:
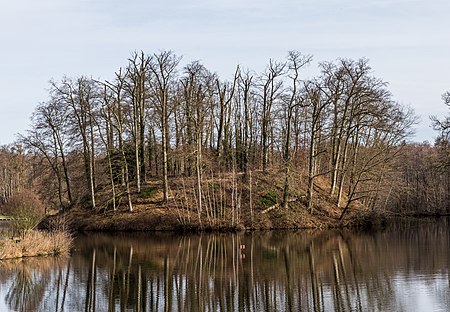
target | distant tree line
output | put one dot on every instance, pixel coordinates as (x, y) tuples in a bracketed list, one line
[(159, 119)]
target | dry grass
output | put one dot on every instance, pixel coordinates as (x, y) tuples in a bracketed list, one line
[(229, 202), (36, 243)]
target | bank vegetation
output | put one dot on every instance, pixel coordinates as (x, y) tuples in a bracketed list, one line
[(20, 238)]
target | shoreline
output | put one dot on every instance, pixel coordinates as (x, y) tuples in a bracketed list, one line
[(165, 220), (42, 243)]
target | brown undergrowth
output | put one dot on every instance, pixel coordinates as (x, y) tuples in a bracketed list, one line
[(230, 202)]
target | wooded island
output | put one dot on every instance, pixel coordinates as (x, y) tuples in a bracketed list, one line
[(171, 146)]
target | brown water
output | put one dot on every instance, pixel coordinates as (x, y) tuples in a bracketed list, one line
[(403, 268)]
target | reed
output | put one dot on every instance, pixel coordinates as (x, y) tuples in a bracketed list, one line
[(36, 243)]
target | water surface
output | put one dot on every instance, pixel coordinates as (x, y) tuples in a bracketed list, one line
[(403, 268)]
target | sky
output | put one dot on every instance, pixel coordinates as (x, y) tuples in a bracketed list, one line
[(406, 41)]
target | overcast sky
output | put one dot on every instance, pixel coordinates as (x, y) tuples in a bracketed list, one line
[(406, 41)]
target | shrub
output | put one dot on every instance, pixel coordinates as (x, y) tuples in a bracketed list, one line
[(268, 199), (27, 210), (58, 223), (148, 192)]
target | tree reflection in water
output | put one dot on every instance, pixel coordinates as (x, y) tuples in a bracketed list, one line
[(394, 270)]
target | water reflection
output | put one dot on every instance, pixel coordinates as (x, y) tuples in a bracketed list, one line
[(401, 269)]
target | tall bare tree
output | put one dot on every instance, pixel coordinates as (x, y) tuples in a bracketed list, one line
[(115, 106), (295, 61), (317, 109), (137, 72), (163, 67), (271, 90)]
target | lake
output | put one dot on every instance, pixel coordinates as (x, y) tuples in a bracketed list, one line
[(402, 268)]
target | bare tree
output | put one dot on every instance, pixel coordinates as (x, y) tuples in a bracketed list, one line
[(245, 91), (137, 72), (80, 96), (271, 89), (295, 62), (317, 108), (15, 171), (197, 86), (115, 107), (163, 67), (225, 92), (49, 139)]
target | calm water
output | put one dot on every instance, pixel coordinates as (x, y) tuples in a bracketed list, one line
[(404, 268)]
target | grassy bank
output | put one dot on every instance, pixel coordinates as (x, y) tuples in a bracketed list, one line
[(35, 243), (229, 203)]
